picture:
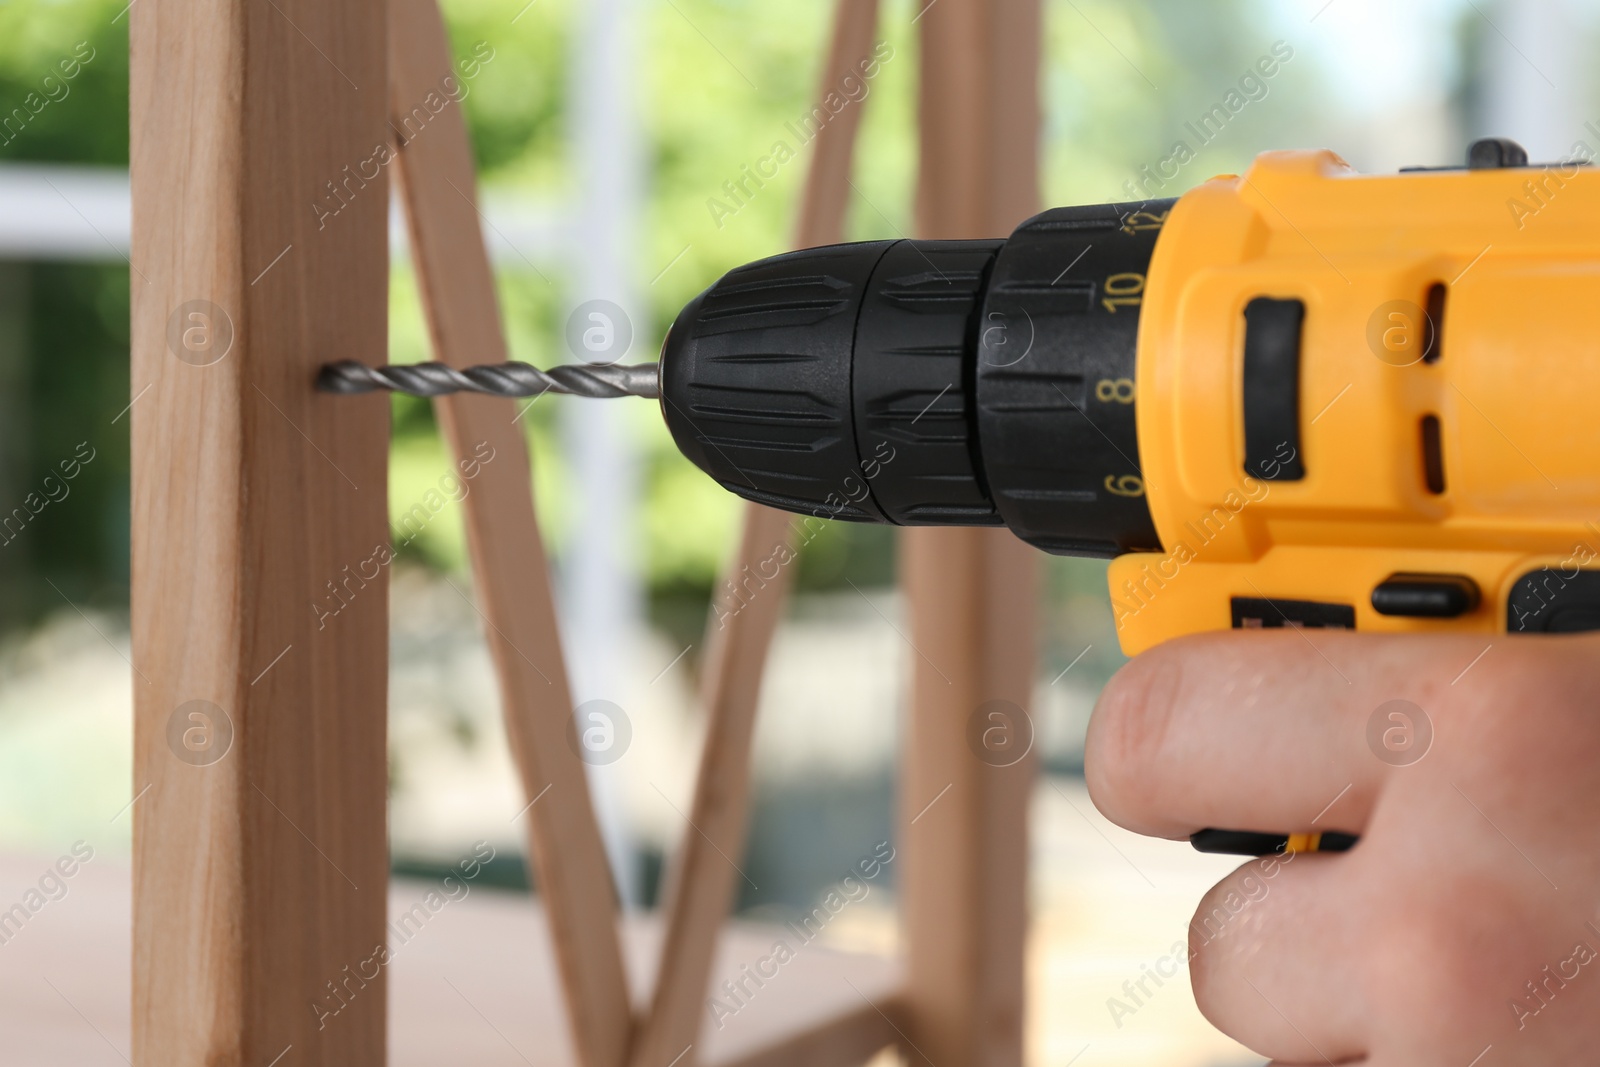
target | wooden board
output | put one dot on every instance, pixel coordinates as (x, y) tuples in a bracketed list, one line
[(473, 983), (702, 878), (971, 593), (513, 590), (852, 1036), (259, 513)]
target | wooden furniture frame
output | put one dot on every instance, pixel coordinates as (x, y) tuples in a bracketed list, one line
[(260, 875)]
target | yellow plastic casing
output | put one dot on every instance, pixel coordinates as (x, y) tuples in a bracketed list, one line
[(1515, 387)]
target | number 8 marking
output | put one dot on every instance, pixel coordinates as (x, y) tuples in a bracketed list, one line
[(1120, 390)]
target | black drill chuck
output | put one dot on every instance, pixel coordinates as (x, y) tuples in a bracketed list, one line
[(967, 383)]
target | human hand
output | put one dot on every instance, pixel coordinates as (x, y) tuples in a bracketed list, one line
[(1463, 930)]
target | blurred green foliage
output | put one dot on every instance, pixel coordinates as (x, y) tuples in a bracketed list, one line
[(65, 323), (716, 83), (86, 119)]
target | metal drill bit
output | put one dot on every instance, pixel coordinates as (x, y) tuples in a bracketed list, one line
[(497, 379)]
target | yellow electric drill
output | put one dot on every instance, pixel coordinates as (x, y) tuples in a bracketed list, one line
[(1295, 397)]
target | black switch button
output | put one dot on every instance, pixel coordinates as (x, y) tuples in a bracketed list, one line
[(1272, 389), (1426, 596), (1487, 153), (1495, 153)]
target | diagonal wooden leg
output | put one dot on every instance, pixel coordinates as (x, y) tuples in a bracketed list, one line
[(701, 880), (512, 576)]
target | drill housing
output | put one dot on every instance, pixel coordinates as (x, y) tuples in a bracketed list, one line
[(1296, 397)]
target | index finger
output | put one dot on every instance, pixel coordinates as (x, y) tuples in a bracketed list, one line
[(1263, 731)]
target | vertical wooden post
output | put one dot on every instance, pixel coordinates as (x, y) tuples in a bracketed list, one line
[(971, 593), (260, 599)]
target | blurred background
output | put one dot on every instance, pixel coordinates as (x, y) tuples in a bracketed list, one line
[(605, 131)]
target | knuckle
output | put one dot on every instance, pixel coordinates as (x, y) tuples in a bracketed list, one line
[(1534, 702)]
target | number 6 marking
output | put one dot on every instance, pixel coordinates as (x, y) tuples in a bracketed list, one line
[(1127, 485)]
